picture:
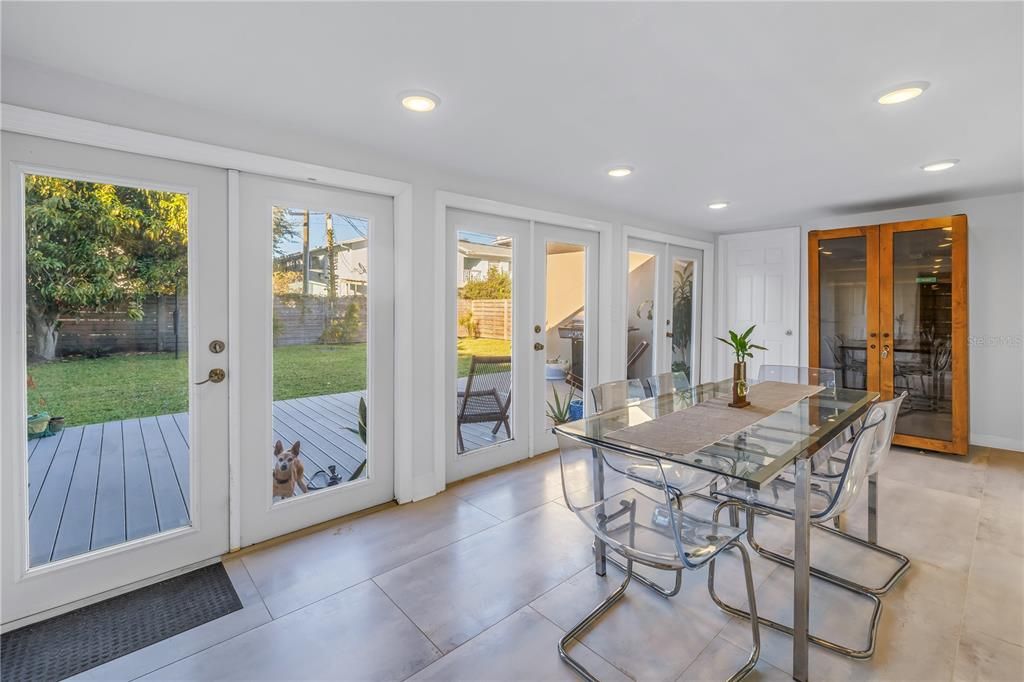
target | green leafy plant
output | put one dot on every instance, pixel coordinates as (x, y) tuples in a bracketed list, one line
[(471, 325), (740, 344), (497, 286), (361, 432), (558, 408)]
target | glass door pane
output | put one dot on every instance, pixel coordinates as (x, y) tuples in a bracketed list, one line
[(484, 309), (565, 325), (684, 329), (320, 281), (641, 312), (922, 324), (843, 309), (107, 284)]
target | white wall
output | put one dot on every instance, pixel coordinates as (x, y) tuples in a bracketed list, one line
[(30, 86), (996, 282)]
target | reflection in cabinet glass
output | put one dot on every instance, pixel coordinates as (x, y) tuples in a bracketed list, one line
[(888, 311)]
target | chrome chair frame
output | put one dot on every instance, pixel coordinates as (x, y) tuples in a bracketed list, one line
[(681, 561), (834, 506), (622, 389)]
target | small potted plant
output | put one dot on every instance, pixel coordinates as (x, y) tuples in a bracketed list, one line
[(560, 410), (741, 347), (554, 369)]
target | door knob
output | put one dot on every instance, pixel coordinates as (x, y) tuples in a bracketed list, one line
[(538, 346), (885, 351), (216, 375)]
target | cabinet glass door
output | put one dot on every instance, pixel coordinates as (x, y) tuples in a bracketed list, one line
[(923, 324), (843, 306)]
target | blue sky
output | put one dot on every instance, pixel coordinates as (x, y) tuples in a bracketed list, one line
[(343, 230)]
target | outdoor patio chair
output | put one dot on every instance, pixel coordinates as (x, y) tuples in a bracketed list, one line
[(487, 397)]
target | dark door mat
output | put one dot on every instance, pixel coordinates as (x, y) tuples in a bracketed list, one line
[(92, 635)]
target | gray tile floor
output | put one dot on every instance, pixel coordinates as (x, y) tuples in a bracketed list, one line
[(480, 582)]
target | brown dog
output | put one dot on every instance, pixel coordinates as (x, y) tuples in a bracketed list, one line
[(288, 470)]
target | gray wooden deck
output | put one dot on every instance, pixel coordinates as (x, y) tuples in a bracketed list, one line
[(103, 484)]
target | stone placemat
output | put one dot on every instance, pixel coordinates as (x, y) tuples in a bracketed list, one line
[(689, 430)]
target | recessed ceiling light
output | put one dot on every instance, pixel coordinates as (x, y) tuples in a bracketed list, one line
[(937, 166), (620, 171), (947, 229), (827, 253), (718, 205), (945, 244), (938, 260), (903, 93), (419, 101)]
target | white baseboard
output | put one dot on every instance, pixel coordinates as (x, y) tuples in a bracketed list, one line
[(1000, 442)]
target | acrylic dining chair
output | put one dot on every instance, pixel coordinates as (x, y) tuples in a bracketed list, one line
[(667, 383), (682, 480), (777, 498), (641, 523)]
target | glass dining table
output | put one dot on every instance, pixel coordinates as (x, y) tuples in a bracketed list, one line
[(800, 437)]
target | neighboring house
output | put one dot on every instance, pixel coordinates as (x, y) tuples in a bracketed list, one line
[(351, 268), (475, 260)]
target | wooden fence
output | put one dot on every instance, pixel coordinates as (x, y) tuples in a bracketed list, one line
[(301, 320), (102, 332), (298, 320), (493, 318)]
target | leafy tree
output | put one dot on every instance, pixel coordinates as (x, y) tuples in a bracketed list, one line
[(92, 246), (497, 286), (283, 229)]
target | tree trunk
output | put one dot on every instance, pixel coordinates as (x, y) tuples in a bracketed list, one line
[(44, 334)]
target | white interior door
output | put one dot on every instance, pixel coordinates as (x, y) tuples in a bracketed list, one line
[(565, 319), (316, 364), (489, 344), (761, 286), (114, 287)]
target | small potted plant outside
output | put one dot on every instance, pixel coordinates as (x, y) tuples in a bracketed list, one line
[(741, 347), (554, 369), (560, 410)]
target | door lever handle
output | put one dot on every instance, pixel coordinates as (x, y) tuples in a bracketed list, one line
[(216, 376)]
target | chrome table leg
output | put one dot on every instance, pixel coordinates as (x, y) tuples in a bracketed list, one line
[(600, 563), (801, 567), (873, 508)]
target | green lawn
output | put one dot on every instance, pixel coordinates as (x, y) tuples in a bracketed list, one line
[(89, 391)]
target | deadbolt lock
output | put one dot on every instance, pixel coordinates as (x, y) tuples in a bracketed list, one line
[(538, 346), (216, 346), (536, 329)]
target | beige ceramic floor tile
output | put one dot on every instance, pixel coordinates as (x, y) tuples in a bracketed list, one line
[(995, 594), (722, 658), (645, 635), (524, 646), (298, 572), (357, 635), (953, 474), (457, 592), (511, 491), (983, 658)]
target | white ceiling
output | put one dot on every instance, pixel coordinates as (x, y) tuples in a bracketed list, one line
[(767, 106)]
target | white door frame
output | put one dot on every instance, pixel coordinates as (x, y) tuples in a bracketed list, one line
[(707, 286), (37, 592), (444, 296), (69, 129)]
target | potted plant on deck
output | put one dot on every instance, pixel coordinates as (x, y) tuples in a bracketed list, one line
[(741, 347)]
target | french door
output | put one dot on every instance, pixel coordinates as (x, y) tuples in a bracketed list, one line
[(112, 358), (888, 311), (663, 309), (523, 343), (315, 377)]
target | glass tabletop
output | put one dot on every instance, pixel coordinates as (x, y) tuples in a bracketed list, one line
[(755, 453)]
